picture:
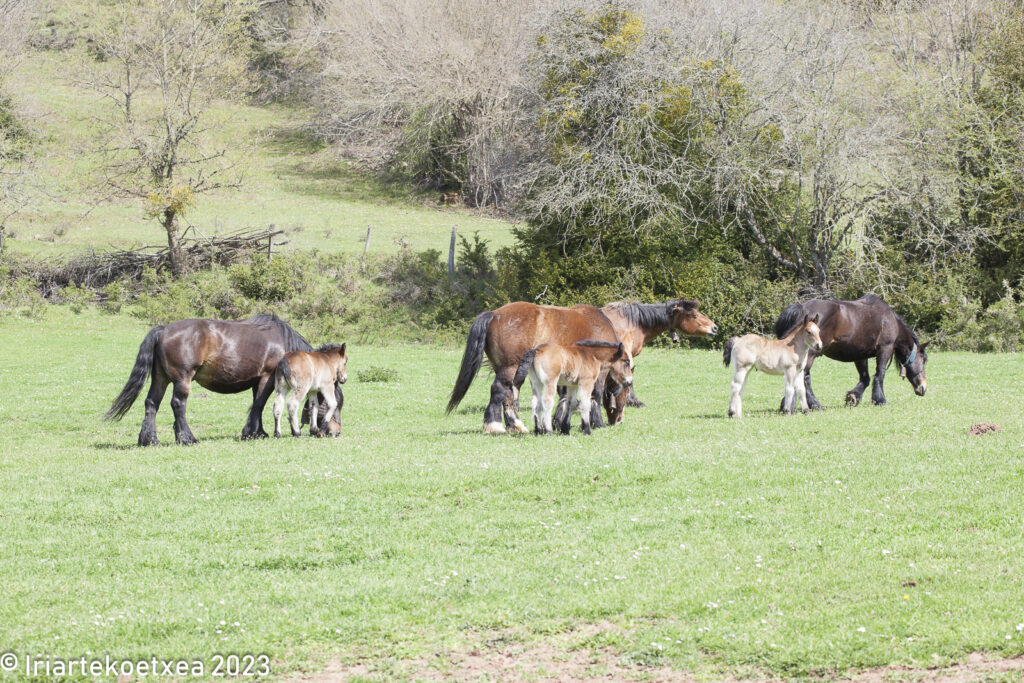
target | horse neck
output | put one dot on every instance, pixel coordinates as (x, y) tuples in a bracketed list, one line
[(904, 339), (799, 342)]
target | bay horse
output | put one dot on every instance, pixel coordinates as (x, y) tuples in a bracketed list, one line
[(307, 374), (578, 368), (505, 335), (786, 356), (224, 356), (638, 324), (856, 331)]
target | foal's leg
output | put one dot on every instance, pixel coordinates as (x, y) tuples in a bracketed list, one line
[(801, 391), (878, 388), (295, 401), (548, 401), (863, 379), (278, 409), (332, 405), (157, 387), (596, 418), (739, 379), (583, 396), (792, 376), (179, 400)]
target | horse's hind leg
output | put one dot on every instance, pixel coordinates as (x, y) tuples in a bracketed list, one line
[(492, 416), (739, 379), (179, 401), (583, 397), (853, 395), (157, 388), (510, 401), (278, 409)]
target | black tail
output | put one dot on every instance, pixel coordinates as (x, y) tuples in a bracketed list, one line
[(471, 358), (136, 380), (788, 319), (524, 368), (727, 351)]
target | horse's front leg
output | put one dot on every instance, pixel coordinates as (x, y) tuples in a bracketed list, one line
[(157, 387), (739, 379), (853, 396), (260, 395), (332, 406), (547, 403), (596, 418), (878, 386), (563, 414), (812, 400), (633, 401), (179, 401)]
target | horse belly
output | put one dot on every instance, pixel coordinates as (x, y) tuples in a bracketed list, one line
[(226, 380)]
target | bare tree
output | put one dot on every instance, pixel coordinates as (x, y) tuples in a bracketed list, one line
[(165, 63)]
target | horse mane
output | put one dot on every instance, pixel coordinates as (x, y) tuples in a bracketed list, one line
[(645, 315), (329, 347), (871, 299), (293, 341), (908, 328)]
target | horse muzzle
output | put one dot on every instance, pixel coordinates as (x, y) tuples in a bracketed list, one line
[(713, 331), (921, 388)]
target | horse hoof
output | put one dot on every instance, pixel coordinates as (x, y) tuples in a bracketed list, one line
[(494, 428), (518, 428), (187, 440), (852, 399)]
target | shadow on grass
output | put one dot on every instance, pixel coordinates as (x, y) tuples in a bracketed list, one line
[(170, 443)]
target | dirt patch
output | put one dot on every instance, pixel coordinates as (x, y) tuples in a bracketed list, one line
[(984, 428), (504, 658)]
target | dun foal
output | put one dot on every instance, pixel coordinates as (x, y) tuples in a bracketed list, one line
[(576, 367), (786, 356), (303, 374)]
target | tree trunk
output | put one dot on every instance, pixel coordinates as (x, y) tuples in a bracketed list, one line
[(170, 223)]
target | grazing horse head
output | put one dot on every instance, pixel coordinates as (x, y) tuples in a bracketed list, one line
[(684, 318), (912, 366), (621, 368)]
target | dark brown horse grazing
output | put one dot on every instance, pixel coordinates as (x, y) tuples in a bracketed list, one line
[(638, 324), (506, 334), (856, 331), (224, 356)]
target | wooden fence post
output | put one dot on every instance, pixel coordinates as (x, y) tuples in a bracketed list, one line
[(451, 254)]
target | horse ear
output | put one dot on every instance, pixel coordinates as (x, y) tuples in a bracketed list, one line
[(922, 345), (341, 351), (619, 352), (815, 319)]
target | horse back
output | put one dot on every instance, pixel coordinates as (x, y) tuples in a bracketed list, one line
[(853, 330), (520, 326)]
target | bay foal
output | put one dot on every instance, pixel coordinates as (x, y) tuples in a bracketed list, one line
[(303, 374), (786, 356), (576, 367)]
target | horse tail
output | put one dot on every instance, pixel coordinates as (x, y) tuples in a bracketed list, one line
[(788, 319), (524, 368), (727, 351), (137, 379), (283, 372), (471, 358)]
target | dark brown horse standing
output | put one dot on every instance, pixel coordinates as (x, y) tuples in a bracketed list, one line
[(224, 356), (505, 335), (638, 324), (856, 331)]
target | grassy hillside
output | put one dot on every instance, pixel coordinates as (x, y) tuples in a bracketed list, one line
[(288, 180), (842, 539)]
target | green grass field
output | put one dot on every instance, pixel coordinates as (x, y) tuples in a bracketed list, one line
[(286, 180), (815, 544)]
